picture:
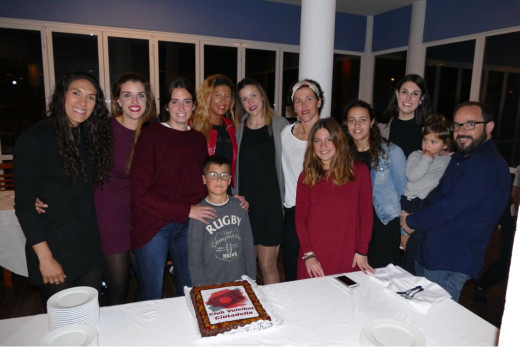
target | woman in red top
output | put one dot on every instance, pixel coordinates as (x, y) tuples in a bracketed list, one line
[(333, 206)]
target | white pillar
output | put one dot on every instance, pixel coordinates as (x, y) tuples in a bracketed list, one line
[(366, 83), (317, 45), (416, 57)]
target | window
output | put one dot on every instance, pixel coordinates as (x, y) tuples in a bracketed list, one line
[(22, 92), (74, 52), (176, 59), (500, 90), (345, 83), (220, 59), (448, 75), (261, 65), (291, 63), (389, 68), (127, 55)]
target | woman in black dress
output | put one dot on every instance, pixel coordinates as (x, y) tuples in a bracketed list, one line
[(59, 160), (259, 176)]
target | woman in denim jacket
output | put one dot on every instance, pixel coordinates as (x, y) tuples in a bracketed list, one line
[(387, 165)]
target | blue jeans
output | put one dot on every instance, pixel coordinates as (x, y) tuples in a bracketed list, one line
[(151, 260), (452, 282)]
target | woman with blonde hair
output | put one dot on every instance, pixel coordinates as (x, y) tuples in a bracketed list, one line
[(333, 206), (214, 117), (260, 160)]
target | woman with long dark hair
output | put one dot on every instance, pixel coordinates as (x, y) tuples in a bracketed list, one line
[(405, 114), (59, 160), (387, 165)]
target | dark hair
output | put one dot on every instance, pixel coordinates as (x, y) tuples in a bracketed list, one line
[(375, 139), (267, 109), (215, 159), (319, 95), (166, 95), (440, 126), (487, 114), (421, 112), (149, 113), (96, 130)]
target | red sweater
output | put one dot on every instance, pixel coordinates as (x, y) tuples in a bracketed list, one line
[(166, 179), (334, 221)]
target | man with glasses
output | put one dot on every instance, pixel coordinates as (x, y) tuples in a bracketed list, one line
[(460, 217)]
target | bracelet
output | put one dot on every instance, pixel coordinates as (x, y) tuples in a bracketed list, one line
[(308, 256)]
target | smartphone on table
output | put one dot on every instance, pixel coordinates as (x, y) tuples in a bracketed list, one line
[(349, 282)]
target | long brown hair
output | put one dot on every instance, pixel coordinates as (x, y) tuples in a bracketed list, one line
[(341, 168), (200, 120), (150, 111)]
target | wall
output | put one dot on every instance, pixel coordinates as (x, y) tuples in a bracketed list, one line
[(446, 19), (255, 20), (391, 29)]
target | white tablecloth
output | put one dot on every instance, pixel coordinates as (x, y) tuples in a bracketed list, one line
[(314, 312), (12, 239)]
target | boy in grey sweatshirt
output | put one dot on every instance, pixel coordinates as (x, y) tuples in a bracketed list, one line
[(221, 250)]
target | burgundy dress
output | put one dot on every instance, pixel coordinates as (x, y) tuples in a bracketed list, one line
[(113, 200), (334, 221)]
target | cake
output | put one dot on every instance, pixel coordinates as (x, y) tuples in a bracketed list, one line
[(225, 307)]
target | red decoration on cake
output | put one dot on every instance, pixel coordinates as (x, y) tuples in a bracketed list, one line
[(226, 298), (225, 307)]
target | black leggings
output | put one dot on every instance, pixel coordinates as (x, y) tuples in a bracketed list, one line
[(116, 271), (92, 279)]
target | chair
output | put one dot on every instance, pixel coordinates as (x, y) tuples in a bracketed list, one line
[(6, 176)]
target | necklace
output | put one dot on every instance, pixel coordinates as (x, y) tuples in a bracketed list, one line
[(364, 149), (79, 135)]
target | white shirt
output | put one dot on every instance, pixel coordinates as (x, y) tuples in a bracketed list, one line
[(293, 153)]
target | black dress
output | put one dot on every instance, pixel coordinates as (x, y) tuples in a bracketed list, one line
[(259, 185)]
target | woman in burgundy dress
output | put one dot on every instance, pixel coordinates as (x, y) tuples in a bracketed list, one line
[(333, 206), (133, 105)]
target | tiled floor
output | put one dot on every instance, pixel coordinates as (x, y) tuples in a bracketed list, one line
[(23, 300)]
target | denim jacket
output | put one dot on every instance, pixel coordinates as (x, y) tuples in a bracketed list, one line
[(388, 182)]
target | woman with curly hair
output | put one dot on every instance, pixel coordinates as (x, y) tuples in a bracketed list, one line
[(387, 165), (333, 206), (59, 160), (214, 118)]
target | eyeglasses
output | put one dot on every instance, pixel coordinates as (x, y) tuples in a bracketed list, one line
[(466, 126), (214, 176)]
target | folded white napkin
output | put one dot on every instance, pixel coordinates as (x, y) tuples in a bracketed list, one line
[(395, 279)]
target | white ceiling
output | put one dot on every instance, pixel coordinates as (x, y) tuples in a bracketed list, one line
[(360, 7)]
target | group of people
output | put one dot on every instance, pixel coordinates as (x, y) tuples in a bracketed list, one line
[(217, 182)]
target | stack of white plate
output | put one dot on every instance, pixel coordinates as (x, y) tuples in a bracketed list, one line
[(71, 335), (78, 305)]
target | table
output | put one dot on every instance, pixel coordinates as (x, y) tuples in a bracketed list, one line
[(12, 245), (319, 311)]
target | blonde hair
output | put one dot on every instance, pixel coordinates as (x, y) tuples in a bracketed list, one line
[(268, 114), (341, 169), (149, 112), (200, 119)]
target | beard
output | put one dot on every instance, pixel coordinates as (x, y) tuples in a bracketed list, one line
[(473, 145)]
